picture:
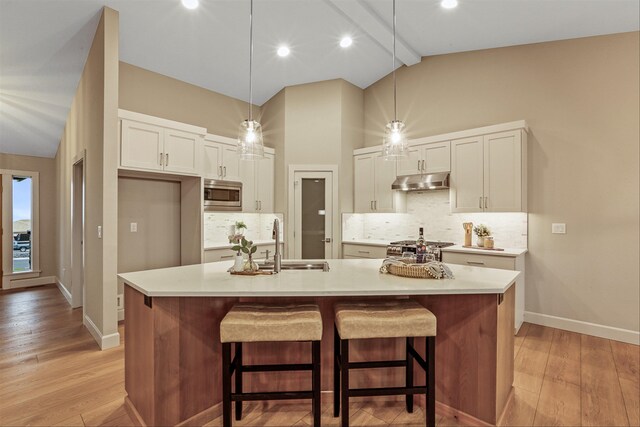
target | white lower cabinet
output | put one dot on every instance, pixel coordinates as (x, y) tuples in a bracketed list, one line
[(494, 261), (352, 251)]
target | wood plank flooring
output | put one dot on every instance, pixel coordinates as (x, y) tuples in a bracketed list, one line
[(53, 373)]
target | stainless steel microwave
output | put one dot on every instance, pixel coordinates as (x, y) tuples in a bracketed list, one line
[(222, 196)]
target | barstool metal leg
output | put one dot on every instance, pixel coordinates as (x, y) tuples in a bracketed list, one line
[(409, 374), (431, 380), (316, 404), (344, 367), (226, 384), (238, 373), (336, 372)]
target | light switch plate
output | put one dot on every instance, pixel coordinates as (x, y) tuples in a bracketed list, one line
[(134, 227), (99, 232), (120, 301), (559, 228)]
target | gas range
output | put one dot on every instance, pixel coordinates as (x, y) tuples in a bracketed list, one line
[(396, 249)]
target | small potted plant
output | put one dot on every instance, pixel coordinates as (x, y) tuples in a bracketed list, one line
[(481, 231), (247, 247), (237, 232)]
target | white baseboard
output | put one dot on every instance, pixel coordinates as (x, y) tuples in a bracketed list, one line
[(104, 341), (27, 282), (120, 315), (64, 291), (602, 331)]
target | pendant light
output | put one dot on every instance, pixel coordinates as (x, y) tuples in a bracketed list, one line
[(394, 144), (250, 143)]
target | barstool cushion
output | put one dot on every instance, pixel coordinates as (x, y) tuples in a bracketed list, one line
[(251, 322), (384, 319)]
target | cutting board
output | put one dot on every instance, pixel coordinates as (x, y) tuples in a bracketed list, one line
[(252, 273), (483, 249)]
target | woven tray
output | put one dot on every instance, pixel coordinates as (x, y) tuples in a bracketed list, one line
[(416, 271)]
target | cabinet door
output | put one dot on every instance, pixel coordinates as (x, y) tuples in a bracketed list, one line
[(182, 152), (212, 161), (437, 157), (231, 163), (265, 184), (249, 191), (503, 172), (385, 174), (141, 145), (412, 164), (363, 183), (466, 191)]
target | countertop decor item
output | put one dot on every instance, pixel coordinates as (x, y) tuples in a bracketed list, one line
[(483, 248), (430, 270), (488, 242), (237, 232), (481, 231), (247, 247), (468, 228)]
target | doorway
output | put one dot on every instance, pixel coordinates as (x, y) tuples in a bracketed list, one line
[(77, 240), (313, 207)]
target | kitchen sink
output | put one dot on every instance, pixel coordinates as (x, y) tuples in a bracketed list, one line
[(297, 265)]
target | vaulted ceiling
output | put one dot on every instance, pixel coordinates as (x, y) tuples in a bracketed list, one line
[(44, 44)]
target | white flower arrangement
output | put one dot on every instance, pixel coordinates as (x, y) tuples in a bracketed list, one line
[(482, 230)]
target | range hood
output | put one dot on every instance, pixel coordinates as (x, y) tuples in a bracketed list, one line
[(422, 182)]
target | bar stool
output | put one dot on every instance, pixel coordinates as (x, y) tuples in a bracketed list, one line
[(388, 319), (249, 322)]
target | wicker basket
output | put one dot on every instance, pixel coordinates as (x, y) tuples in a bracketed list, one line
[(417, 271)]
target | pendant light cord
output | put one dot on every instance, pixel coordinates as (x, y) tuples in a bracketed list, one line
[(251, 62), (395, 104)]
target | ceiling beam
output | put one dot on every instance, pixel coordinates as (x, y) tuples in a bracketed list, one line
[(364, 17)]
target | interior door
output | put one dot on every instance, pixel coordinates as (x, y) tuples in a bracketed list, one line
[(313, 218)]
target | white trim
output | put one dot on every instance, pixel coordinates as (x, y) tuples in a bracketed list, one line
[(12, 282), (144, 118), (105, 342), (63, 290), (335, 233), (121, 315), (502, 127), (587, 328)]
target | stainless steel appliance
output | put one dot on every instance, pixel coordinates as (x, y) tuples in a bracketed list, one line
[(222, 196), (422, 182), (396, 249)]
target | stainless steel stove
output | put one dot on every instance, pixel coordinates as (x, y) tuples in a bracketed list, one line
[(396, 249)]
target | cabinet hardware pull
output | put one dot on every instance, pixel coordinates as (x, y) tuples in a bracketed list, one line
[(375, 205), (161, 159), (364, 252), (423, 168), (371, 205), (226, 256), (486, 204), (419, 169), (259, 205), (480, 198), (220, 173), (166, 159), (475, 262), (256, 205), (225, 171)]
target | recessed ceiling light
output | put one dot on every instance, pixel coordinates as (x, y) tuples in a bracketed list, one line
[(449, 4), (190, 4), (283, 51), (346, 41)]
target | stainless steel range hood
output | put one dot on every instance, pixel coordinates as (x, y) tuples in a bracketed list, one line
[(422, 182)]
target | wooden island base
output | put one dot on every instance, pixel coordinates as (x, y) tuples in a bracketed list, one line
[(173, 363)]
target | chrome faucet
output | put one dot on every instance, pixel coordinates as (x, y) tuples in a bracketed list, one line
[(277, 257)]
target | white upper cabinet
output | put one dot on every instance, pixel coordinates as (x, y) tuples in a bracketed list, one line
[(488, 173), (221, 159), (258, 184), (426, 158), (373, 177), (152, 144)]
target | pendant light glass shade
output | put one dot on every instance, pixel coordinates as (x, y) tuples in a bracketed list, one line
[(250, 144), (394, 144)]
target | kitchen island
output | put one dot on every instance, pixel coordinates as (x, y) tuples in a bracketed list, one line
[(172, 344)]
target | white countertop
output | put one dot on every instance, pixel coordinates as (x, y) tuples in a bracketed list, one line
[(223, 245), (352, 277), (367, 242), (508, 252)]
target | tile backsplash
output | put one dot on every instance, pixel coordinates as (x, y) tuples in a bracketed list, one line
[(259, 226), (431, 210)]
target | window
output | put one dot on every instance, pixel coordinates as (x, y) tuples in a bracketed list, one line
[(22, 201)]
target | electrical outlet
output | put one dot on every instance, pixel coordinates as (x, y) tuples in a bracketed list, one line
[(134, 227), (559, 228), (120, 301)]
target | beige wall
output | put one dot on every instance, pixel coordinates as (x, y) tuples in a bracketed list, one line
[(46, 168), (146, 92), (273, 125), (580, 99), (91, 128)]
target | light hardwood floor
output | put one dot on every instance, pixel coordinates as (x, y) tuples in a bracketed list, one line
[(53, 373)]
